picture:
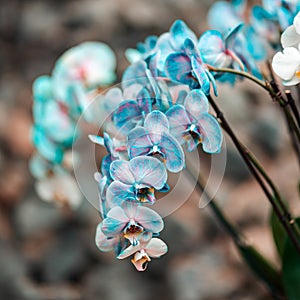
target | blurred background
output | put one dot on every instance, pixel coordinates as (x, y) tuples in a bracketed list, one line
[(46, 253)]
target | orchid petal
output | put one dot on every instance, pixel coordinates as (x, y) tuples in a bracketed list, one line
[(144, 101), (135, 73), (200, 73), (126, 115), (115, 221), (196, 103), (149, 171), (178, 121), (149, 219), (117, 192), (156, 248), (173, 152), (211, 133), (290, 37), (138, 142), (156, 123), (120, 170), (129, 251), (179, 32), (103, 243), (178, 68), (99, 140), (211, 46), (286, 63), (164, 48)]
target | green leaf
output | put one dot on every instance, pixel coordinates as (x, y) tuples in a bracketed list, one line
[(279, 234), (261, 268), (291, 269)]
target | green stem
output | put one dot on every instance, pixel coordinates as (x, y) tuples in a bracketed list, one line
[(259, 265)]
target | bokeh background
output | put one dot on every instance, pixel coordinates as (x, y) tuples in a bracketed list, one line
[(46, 253)]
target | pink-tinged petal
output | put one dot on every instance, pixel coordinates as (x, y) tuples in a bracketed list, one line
[(99, 140), (173, 152), (148, 170), (290, 37), (178, 121), (141, 260), (103, 243), (286, 63), (118, 192), (139, 142), (120, 170), (157, 123), (149, 219), (196, 103), (129, 251), (211, 134), (156, 248)]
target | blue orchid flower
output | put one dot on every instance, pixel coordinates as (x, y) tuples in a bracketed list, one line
[(187, 68), (131, 220), (130, 113), (136, 180), (170, 42), (219, 52), (191, 123), (154, 139)]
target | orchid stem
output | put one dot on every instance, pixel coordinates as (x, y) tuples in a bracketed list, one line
[(266, 86), (257, 170)]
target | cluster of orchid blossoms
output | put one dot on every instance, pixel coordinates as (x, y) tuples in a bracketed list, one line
[(58, 102), (160, 112)]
